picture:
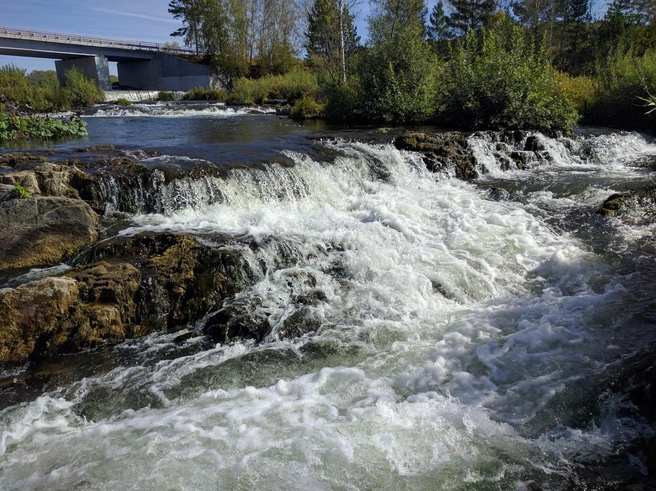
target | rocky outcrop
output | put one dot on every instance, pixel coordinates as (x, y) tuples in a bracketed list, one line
[(43, 230), (442, 151), (123, 288)]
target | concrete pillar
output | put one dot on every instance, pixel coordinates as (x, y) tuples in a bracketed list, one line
[(139, 74), (94, 67)]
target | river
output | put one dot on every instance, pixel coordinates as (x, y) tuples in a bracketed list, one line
[(465, 335)]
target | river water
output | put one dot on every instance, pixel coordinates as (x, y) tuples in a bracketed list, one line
[(462, 333)]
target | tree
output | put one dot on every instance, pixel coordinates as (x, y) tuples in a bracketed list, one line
[(438, 29), (331, 37), (190, 12), (397, 70), (470, 15), (533, 14), (391, 18)]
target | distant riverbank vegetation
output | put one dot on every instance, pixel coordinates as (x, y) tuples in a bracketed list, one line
[(539, 64), (23, 96)]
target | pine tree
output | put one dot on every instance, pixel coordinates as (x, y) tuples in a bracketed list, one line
[(331, 37), (438, 29), (470, 14)]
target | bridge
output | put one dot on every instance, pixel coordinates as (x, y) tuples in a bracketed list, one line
[(141, 65)]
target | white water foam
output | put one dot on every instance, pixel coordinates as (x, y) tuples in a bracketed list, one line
[(173, 110)]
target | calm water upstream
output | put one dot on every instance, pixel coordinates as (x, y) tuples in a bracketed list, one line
[(465, 331)]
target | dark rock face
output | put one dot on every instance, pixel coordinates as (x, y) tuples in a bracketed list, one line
[(123, 288), (441, 152), (43, 230)]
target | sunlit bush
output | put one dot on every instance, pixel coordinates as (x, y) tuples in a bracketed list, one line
[(496, 79)]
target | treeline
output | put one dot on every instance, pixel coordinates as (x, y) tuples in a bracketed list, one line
[(466, 63)]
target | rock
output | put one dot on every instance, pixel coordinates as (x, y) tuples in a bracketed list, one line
[(613, 204), (97, 148), (43, 230), (142, 284), (533, 144), (30, 314), (442, 151), (20, 159)]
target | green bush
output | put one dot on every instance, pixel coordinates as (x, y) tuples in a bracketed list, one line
[(623, 79), (307, 107), (203, 94), (165, 96), (581, 91), (397, 80), (121, 101), (82, 91), (496, 79), (290, 87)]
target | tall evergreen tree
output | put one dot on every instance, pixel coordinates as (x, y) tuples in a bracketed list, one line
[(331, 37), (438, 29), (471, 14)]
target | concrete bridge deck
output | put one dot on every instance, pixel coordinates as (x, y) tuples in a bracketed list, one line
[(141, 65)]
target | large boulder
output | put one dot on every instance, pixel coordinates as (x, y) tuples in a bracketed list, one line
[(43, 230), (31, 313), (447, 151)]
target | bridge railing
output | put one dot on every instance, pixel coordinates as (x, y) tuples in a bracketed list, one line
[(53, 37)]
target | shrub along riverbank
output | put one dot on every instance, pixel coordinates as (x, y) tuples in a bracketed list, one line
[(21, 96)]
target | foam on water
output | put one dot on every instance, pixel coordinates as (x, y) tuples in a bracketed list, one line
[(173, 110), (454, 321)]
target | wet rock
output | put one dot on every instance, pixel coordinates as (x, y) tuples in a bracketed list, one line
[(43, 230), (30, 315), (442, 151), (20, 159), (533, 144), (613, 204), (122, 288), (97, 148)]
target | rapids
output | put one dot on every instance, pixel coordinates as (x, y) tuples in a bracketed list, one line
[(460, 335)]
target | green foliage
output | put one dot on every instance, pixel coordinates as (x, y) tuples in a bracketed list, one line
[(20, 192), (581, 91), (622, 78), (165, 96), (498, 80), (204, 94), (398, 80), (14, 127), (290, 87), (650, 102), (307, 107), (82, 91), (121, 101)]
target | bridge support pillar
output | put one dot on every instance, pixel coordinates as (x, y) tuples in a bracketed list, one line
[(94, 67)]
